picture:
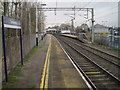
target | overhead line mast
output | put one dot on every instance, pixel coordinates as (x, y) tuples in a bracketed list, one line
[(91, 10)]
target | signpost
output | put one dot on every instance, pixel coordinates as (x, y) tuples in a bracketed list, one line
[(15, 24), (0, 54)]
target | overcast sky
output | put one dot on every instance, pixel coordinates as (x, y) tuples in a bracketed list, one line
[(106, 13)]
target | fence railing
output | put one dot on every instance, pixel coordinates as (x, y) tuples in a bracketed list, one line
[(112, 41)]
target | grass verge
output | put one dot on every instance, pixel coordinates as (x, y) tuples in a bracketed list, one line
[(16, 72)]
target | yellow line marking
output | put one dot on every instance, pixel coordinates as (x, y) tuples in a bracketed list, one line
[(108, 83), (47, 74), (97, 76), (100, 79), (45, 68), (92, 72), (90, 67)]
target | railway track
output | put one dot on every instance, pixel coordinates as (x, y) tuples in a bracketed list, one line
[(108, 56), (110, 65), (96, 75)]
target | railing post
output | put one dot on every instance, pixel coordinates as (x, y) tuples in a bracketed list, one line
[(21, 47)]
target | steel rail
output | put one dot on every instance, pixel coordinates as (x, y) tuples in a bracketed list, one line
[(108, 73), (95, 48), (95, 53), (83, 73)]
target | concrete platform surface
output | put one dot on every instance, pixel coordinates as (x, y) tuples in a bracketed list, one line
[(62, 73), (69, 35)]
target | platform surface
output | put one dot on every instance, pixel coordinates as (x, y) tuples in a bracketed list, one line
[(62, 73), (69, 35)]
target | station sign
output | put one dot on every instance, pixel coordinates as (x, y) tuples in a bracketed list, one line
[(14, 24), (11, 23)]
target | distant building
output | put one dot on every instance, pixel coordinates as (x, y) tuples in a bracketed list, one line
[(100, 28)]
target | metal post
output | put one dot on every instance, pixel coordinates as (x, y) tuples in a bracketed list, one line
[(92, 25), (0, 54), (74, 12), (21, 47), (74, 19), (36, 26), (40, 21), (87, 13), (72, 25), (4, 51)]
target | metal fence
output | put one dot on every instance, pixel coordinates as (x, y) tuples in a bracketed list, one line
[(112, 41)]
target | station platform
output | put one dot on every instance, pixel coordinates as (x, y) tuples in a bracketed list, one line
[(59, 70), (81, 37), (69, 35)]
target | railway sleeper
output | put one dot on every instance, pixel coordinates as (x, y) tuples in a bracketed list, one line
[(107, 85)]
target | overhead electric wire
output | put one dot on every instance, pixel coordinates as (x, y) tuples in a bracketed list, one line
[(108, 9), (108, 14), (87, 3)]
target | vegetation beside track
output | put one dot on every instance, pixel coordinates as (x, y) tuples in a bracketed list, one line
[(17, 71)]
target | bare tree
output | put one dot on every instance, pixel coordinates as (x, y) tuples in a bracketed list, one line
[(6, 7), (16, 4)]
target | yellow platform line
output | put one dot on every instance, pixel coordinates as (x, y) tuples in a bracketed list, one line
[(92, 72), (45, 68), (100, 79), (47, 74), (97, 76)]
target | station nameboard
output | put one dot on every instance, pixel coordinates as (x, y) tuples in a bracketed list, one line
[(14, 24), (11, 23)]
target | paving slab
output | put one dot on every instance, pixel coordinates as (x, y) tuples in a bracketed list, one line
[(31, 72)]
